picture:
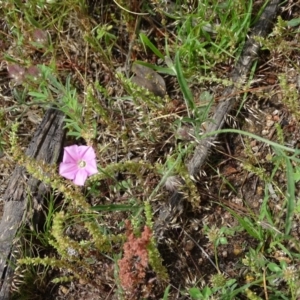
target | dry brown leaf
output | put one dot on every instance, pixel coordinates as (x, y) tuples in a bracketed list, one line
[(149, 79)]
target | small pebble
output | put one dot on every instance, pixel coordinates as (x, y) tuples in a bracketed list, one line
[(265, 132), (82, 281), (189, 245), (237, 250), (63, 289), (270, 123)]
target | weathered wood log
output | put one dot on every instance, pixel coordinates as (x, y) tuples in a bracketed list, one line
[(216, 122), (238, 76), (46, 146)]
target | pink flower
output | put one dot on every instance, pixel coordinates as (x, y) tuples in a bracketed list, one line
[(78, 163)]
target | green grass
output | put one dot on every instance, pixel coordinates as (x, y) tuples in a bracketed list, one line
[(78, 60)]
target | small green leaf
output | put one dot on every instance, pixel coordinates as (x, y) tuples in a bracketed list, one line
[(293, 22), (166, 293), (297, 174), (223, 241), (38, 95), (73, 133), (195, 293), (274, 267), (207, 292)]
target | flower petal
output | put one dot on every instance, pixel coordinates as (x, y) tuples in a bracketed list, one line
[(91, 167), (86, 152), (71, 154), (80, 177), (68, 170)]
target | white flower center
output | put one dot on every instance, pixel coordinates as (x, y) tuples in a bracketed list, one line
[(81, 164)]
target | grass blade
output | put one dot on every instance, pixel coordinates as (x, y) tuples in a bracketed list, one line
[(148, 43), (115, 207), (290, 196), (187, 94), (247, 225)]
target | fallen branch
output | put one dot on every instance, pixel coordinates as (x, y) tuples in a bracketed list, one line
[(46, 146), (228, 101), (238, 76)]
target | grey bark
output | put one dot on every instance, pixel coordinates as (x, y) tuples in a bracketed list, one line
[(46, 146), (238, 76)]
